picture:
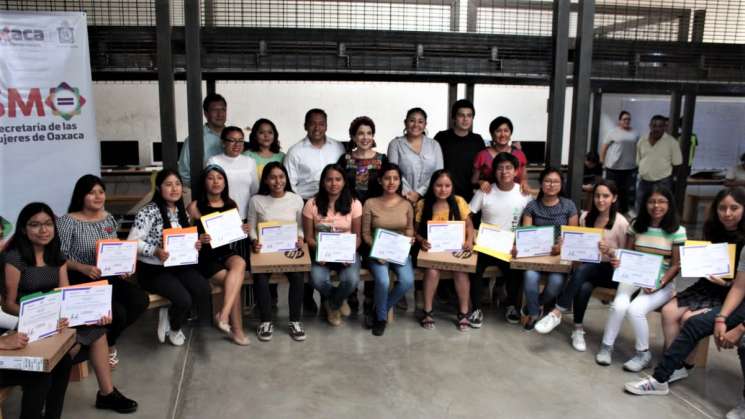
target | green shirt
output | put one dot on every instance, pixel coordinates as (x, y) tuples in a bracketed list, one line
[(263, 161)]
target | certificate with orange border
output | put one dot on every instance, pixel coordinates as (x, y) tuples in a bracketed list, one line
[(116, 257), (180, 245)]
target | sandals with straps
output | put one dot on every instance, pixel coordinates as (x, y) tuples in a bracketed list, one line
[(427, 321), (463, 324)]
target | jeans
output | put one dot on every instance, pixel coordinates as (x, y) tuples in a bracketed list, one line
[(695, 329), (579, 288), (645, 186), (264, 297), (182, 285), (41, 390), (534, 301), (509, 278), (626, 182), (349, 276), (384, 300)]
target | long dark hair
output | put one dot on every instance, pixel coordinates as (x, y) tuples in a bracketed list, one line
[(83, 187), (253, 140), (547, 171), (203, 202), (21, 243), (430, 199), (593, 214), (387, 167), (263, 187), (669, 223), (343, 204), (161, 203), (714, 230)]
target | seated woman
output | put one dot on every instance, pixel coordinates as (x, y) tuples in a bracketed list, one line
[(222, 265), (440, 204), (502, 205), (586, 276), (656, 230), (184, 286), (86, 222), (276, 202), (390, 211), (333, 209), (550, 208), (34, 263), (724, 225)]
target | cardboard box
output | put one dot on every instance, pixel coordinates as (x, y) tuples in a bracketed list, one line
[(278, 262), (42, 355), (551, 263), (448, 261)]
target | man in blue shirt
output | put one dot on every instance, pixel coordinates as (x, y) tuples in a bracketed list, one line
[(215, 112)]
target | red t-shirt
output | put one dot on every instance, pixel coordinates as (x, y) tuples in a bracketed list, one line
[(483, 162)]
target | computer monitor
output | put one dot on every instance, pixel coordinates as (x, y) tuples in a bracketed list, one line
[(120, 153), (535, 151), (157, 151)]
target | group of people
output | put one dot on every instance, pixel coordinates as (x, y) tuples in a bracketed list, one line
[(323, 185)]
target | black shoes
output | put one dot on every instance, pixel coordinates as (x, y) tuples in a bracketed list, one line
[(378, 327), (115, 401)]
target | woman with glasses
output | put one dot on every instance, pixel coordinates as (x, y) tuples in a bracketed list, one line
[(240, 169)]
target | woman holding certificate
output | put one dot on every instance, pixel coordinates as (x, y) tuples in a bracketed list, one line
[(332, 225), (35, 263), (182, 284), (550, 208), (440, 204), (656, 230), (80, 229), (276, 202), (222, 264), (390, 213), (604, 214)]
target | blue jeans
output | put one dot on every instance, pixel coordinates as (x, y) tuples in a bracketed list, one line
[(384, 299), (534, 301), (581, 283), (349, 276)]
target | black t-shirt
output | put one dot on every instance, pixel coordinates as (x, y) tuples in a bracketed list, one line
[(458, 154)]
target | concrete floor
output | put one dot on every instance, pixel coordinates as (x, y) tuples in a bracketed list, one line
[(498, 371)]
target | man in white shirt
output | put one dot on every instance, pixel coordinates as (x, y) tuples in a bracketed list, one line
[(215, 112), (305, 160)]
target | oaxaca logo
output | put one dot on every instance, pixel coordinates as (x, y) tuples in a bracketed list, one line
[(12, 35), (64, 101)]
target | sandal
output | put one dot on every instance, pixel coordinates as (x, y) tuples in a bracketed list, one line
[(427, 321), (463, 324), (113, 359)]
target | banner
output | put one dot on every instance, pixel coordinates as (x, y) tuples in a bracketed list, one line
[(47, 121)]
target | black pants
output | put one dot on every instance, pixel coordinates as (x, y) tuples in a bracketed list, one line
[(264, 297), (508, 278), (182, 285), (695, 329), (626, 182), (580, 285), (128, 302), (41, 390)]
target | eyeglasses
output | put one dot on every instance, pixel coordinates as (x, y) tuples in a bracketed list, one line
[(653, 202), (551, 182), (233, 140), (37, 226)]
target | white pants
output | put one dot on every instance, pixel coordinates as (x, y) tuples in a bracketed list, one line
[(636, 311)]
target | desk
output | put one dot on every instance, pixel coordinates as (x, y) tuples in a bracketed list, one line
[(699, 193)]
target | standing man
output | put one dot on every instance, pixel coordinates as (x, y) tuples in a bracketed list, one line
[(305, 162), (459, 146), (215, 112), (657, 155)]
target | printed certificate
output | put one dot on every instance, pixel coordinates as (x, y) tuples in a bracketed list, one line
[(534, 241), (495, 242), (336, 247), (39, 315), (446, 236), (223, 227), (581, 244), (277, 237), (390, 246), (85, 305), (116, 257), (638, 268), (179, 243), (704, 260), (731, 250)]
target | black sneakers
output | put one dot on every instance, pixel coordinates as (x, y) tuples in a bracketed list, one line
[(378, 327), (115, 401)]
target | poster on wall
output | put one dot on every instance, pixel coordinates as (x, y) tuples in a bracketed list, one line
[(47, 121)]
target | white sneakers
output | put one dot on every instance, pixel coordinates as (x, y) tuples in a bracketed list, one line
[(738, 412), (604, 355), (164, 325), (176, 338), (578, 340), (647, 387), (640, 361), (678, 374), (547, 323)]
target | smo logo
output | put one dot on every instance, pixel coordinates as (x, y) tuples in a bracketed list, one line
[(63, 101), (10, 36)]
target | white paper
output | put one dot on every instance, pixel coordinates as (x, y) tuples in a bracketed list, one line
[(446, 237), (702, 261), (534, 241), (85, 305), (39, 317), (637, 268), (278, 238), (500, 241), (117, 258), (336, 247), (390, 246), (25, 363), (224, 228), (581, 246), (181, 250)]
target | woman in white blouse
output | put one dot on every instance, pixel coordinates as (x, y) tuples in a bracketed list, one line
[(241, 169)]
